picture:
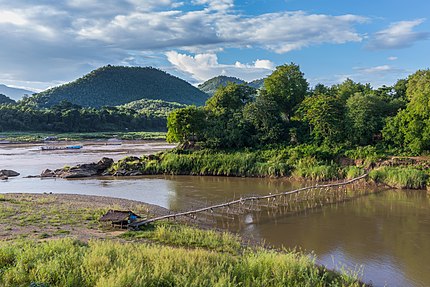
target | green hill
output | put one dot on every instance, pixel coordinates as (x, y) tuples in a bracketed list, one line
[(256, 84), (153, 107), (211, 85), (6, 100), (117, 85)]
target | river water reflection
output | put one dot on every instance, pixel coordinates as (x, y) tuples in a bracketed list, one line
[(386, 234)]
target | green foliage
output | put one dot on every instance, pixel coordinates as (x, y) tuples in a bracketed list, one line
[(66, 117), (157, 108), (265, 117), (185, 124), (229, 99), (4, 100), (288, 85), (186, 236), (310, 168), (40, 136), (109, 263), (351, 172), (364, 117), (325, 115), (115, 85), (349, 88), (400, 177), (410, 128), (367, 153)]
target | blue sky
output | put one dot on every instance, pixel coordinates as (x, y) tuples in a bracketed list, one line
[(54, 41)]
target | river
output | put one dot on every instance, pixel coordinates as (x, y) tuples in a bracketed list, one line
[(385, 236)]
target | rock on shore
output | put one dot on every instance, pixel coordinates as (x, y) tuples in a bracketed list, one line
[(6, 173), (81, 170)]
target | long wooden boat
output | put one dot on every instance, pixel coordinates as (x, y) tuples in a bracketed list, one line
[(71, 147)]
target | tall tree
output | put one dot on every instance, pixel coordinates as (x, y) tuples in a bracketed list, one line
[(325, 115), (410, 128), (288, 85), (185, 124), (364, 117)]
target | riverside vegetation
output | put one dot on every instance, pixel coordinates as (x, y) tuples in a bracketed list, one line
[(163, 255), (285, 128)]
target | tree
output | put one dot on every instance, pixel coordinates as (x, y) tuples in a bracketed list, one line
[(364, 117), (288, 85), (348, 88), (265, 116), (185, 124), (410, 128), (325, 115), (229, 99), (226, 127)]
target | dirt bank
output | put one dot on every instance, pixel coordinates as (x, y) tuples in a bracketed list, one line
[(58, 215)]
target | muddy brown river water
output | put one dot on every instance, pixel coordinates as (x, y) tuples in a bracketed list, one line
[(383, 236)]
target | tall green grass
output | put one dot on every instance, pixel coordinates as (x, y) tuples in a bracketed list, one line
[(244, 163), (311, 169), (68, 262), (401, 177), (181, 235)]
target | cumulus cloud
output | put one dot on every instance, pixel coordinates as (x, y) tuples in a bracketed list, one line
[(279, 32), (398, 35), (202, 67), (59, 40)]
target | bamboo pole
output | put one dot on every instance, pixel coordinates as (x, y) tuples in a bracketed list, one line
[(241, 200)]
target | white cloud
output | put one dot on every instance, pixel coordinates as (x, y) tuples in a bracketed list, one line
[(202, 67), (216, 5), (392, 58), (11, 17), (53, 40), (398, 35), (280, 32)]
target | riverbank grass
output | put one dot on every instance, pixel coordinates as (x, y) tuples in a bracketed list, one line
[(401, 177), (68, 262), (186, 236)]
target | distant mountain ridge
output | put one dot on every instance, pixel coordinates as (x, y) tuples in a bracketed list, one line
[(211, 85), (6, 100), (14, 93), (119, 85)]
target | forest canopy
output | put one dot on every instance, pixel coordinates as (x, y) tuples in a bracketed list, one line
[(287, 112)]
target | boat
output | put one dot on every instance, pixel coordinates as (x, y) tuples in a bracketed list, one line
[(71, 147)]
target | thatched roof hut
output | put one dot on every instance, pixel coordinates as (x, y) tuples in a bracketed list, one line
[(119, 217)]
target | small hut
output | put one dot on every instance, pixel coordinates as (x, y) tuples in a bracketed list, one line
[(119, 217)]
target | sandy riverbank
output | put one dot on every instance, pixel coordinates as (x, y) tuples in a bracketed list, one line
[(42, 216)]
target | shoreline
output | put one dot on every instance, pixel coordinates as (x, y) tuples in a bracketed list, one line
[(41, 215)]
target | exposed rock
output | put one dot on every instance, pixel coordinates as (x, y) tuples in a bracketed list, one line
[(48, 173), (8, 173), (81, 170), (104, 164)]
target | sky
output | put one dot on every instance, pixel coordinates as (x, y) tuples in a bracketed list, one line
[(45, 43)]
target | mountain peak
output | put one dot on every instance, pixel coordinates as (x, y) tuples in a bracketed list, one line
[(118, 85)]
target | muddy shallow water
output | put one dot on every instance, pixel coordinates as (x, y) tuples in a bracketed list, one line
[(385, 236)]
